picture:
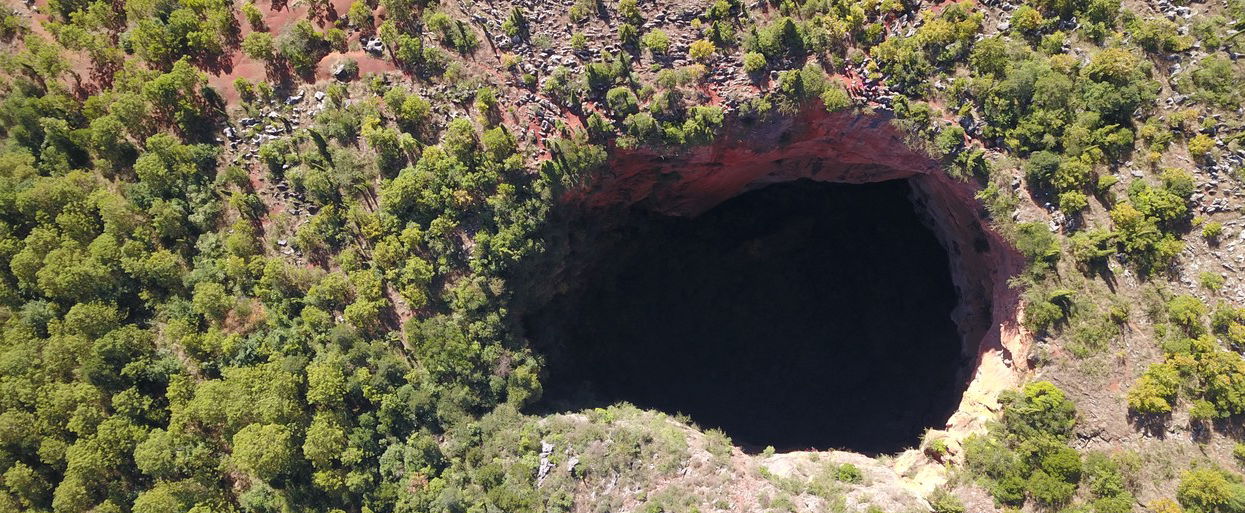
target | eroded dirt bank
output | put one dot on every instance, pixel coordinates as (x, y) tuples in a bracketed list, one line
[(850, 148)]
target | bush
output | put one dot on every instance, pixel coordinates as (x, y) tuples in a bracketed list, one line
[(1027, 20), (943, 502), (1050, 490), (1211, 490), (1041, 167), (516, 25), (848, 473), (1072, 202), (1036, 242), (302, 46), (754, 62), (1187, 312), (1212, 231), (1155, 392), (949, 140), (1040, 316), (258, 46), (657, 41), (835, 98), (359, 14), (1163, 506), (254, 17), (579, 41), (1200, 146), (1210, 281), (1215, 81), (701, 50), (622, 101), (1040, 408)]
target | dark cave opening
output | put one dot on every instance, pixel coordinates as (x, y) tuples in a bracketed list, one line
[(803, 315)]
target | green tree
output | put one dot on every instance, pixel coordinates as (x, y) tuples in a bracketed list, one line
[(259, 46), (325, 441), (622, 101), (253, 16), (1187, 313), (1155, 391), (1211, 490), (1039, 409), (264, 450), (302, 46), (326, 383)]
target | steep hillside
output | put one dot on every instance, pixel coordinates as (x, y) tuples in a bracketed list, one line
[(401, 255)]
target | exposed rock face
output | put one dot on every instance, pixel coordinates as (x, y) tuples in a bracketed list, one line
[(850, 148), (842, 147)]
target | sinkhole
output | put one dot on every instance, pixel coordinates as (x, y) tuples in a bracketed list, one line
[(798, 315)]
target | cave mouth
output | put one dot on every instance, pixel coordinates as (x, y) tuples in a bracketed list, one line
[(801, 315)]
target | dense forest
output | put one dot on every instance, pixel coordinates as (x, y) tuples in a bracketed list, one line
[(221, 293)]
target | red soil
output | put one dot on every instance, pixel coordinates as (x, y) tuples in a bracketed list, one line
[(276, 22)]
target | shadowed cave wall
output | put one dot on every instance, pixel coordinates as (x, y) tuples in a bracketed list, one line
[(729, 282), (801, 315)]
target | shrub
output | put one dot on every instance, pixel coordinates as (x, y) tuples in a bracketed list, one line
[(258, 46), (1163, 506), (1092, 247), (657, 41), (1210, 281), (1027, 20), (1040, 316), (1187, 312), (701, 50), (1041, 167), (754, 62), (835, 98), (1212, 231), (848, 473), (264, 450), (1040, 408), (1214, 80), (302, 46), (1072, 202), (254, 17), (1049, 490), (360, 15), (1200, 146), (1036, 242), (1211, 490), (516, 25), (622, 101), (949, 140), (943, 502), (628, 36), (1155, 391)]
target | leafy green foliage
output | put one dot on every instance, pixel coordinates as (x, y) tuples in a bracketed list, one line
[(1027, 456), (154, 341), (1207, 489), (302, 46)]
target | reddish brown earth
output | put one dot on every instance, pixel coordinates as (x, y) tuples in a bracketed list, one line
[(276, 21), (840, 147)]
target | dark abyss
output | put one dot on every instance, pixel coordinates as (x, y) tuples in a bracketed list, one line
[(801, 315)]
